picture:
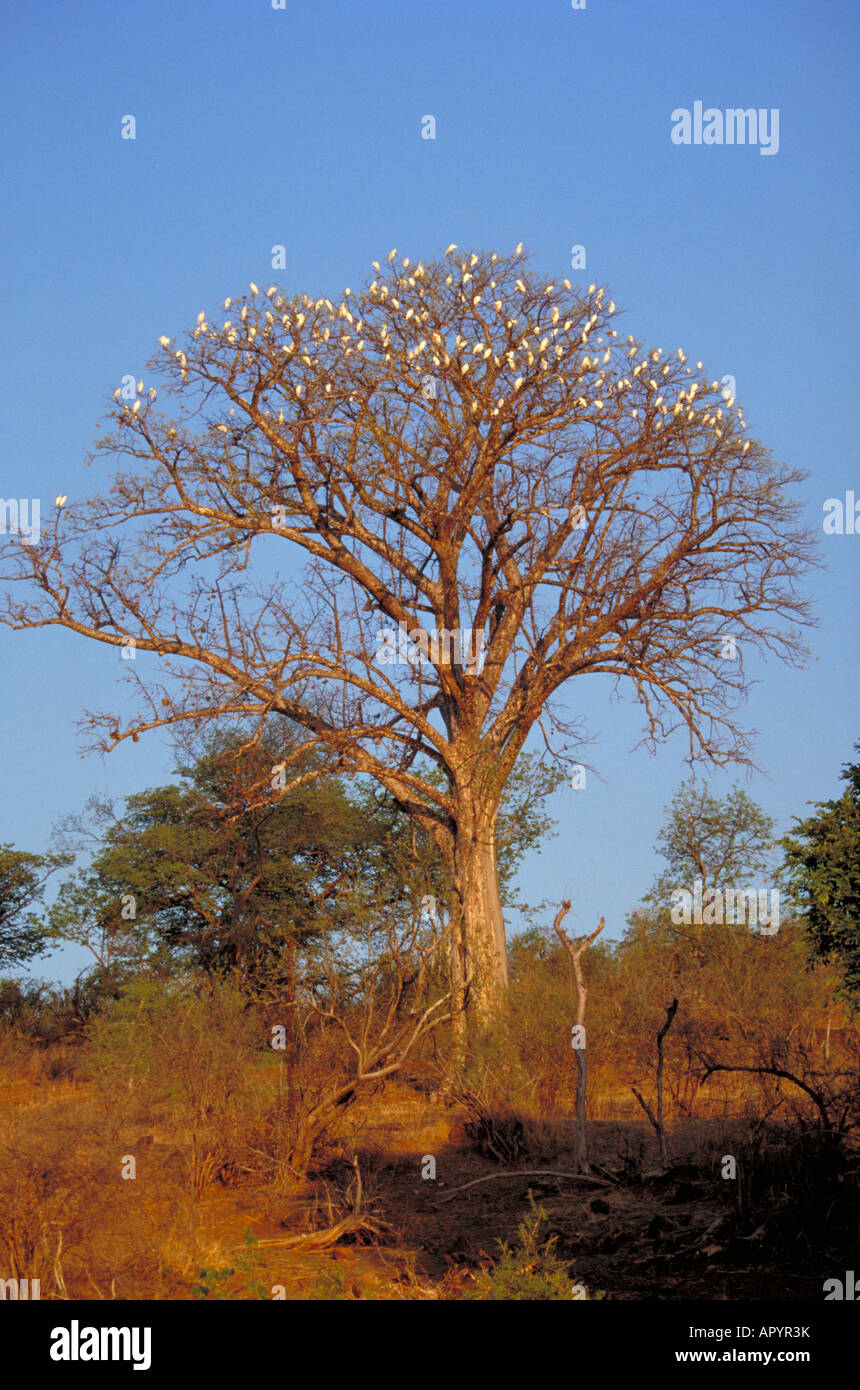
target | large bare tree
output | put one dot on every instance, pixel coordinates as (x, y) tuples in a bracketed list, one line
[(462, 445)]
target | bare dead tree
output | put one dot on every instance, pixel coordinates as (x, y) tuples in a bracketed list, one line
[(381, 991), (464, 445), (657, 1120), (576, 954)]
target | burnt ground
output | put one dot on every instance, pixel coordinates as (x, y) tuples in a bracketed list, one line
[(638, 1235), (778, 1231)]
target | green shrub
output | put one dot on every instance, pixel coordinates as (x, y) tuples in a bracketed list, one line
[(189, 1045), (529, 1270)]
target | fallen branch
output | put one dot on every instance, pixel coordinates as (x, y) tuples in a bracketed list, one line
[(528, 1173), (354, 1221), (321, 1240)]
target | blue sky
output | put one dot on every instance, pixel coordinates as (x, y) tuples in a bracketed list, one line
[(302, 127)]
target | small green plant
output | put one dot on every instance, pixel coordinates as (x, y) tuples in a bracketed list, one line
[(329, 1286), (529, 1270), (212, 1283)]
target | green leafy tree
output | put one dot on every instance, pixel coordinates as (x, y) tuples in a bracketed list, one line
[(717, 970), (218, 872), (223, 872), (822, 870), (22, 884), (725, 843)]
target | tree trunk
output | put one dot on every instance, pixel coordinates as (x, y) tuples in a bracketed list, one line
[(576, 954), (582, 1164), (291, 1050), (481, 936)]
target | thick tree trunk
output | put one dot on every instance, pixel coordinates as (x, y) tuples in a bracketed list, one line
[(480, 945)]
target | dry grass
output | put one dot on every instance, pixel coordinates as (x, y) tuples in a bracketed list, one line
[(212, 1211)]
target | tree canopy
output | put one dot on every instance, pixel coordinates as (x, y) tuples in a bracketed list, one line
[(22, 884), (822, 856), (464, 445)]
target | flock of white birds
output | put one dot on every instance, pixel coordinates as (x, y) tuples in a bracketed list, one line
[(532, 345)]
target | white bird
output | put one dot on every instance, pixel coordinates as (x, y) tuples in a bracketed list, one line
[(452, 247), (135, 408), (254, 289), (165, 342), (140, 388), (591, 289), (62, 500), (519, 250), (474, 260), (201, 316), (116, 394), (392, 254)]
